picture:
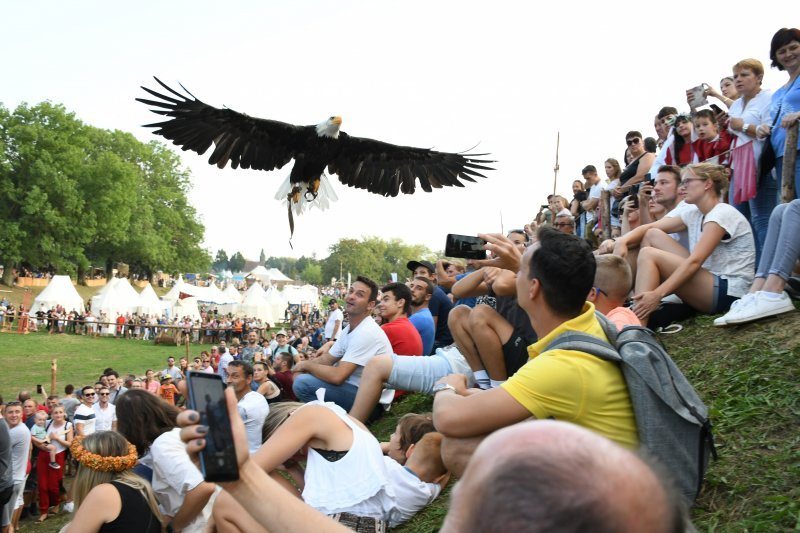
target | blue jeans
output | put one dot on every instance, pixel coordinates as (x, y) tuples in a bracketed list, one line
[(782, 246), (305, 389), (758, 210)]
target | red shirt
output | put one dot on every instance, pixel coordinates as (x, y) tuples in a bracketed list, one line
[(404, 336), (708, 149), (286, 379)]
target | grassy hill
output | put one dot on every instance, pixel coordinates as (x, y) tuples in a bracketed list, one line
[(748, 376)]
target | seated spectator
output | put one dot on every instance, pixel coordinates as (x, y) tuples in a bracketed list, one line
[(555, 275), (719, 268), (637, 169), (564, 222), (264, 385), (253, 407), (439, 304), (344, 473), (681, 151), (338, 369), (281, 371), (630, 498), (108, 494), (394, 307), (781, 250), (612, 285), (421, 293), (711, 141)]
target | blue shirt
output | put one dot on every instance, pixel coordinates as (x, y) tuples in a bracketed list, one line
[(469, 302), (787, 100), (423, 321), (440, 306)]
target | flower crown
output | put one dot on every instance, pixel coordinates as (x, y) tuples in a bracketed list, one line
[(104, 464)]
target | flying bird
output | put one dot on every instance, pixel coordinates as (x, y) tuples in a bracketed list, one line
[(261, 144)]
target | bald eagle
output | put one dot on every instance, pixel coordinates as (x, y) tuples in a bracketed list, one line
[(261, 144)]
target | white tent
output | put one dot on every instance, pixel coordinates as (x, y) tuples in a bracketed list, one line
[(116, 298), (307, 294), (260, 273), (61, 291), (276, 276), (232, 294), (174, 292), (255, 304), (277, 303), (149, 304), (186, 307)]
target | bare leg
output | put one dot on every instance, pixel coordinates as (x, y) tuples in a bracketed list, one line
[(231, 517), (774, 283), (656, 238), (456, 453), (657, 265), (490, 332), (375, 374), (458, 322)]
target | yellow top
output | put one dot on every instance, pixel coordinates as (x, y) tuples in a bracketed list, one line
[(576, 387)]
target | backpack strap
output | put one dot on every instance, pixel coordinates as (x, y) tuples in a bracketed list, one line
[(583, 342)]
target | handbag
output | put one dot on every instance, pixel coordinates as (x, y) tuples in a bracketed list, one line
[(767, 159)]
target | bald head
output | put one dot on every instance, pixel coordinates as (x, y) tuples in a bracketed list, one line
[(572, 479)]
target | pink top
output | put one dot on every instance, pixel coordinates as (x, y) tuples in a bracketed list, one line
[(622, 316)]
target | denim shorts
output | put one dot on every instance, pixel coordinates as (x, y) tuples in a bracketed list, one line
[(418, 374), (722, 301)]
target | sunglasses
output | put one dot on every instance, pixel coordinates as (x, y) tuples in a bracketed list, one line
[(13, 403), (562, 224), (90, 394), (633, 141), (104, 394)]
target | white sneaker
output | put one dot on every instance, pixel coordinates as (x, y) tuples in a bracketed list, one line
[(735, 309), (762, 306), (69, 507)]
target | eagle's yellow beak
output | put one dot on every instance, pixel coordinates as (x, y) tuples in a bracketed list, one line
[(337, 120)]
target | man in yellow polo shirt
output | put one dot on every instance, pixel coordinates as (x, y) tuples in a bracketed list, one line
[(554, 276)]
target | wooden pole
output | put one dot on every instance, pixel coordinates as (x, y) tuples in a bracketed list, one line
[(789, 158), (605, 213), (53, 372), (186, 341), (555, 168)]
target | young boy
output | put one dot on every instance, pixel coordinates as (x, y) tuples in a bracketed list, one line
[(710, 141), (39, 436), (612, 284), (420, 480), (168, 390)]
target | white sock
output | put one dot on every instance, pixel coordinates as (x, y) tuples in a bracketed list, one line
[(771, 295), (482, 379), (496, 383)]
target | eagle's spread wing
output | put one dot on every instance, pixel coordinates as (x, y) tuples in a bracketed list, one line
[(387, 169), (245, 141)]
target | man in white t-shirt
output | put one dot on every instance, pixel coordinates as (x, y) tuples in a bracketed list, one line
[(85, 419), (253, 407), (334, 324), (105, 412), (20, 444), (591, 203), (338, 367)]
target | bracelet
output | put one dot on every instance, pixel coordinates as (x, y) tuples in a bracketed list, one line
[(745, 127)]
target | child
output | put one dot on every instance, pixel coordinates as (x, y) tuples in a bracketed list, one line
[(420, 481), (710, 141), (612, 285), (39, 435), (168, 390), (410, 429)]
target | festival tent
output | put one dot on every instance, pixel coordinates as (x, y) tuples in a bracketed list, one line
[(116, 298), (149, 304), (276, 276), (61, 291), (255, 304), (277, 303), (307, 294), (232, 294), (260, 273), (186, 307)]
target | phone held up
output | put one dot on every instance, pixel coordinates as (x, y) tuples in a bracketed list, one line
[(207, 397), (464, 246), (39, 389)]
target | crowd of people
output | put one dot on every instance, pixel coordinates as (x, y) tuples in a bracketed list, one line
[(696, 230)]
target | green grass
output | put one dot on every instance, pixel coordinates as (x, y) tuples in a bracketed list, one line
[(747, 375)]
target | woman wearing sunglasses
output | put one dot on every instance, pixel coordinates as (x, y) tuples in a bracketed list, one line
[(717, 269)]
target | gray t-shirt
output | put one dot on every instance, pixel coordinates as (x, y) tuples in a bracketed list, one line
[(734, 258), (20, 448), (6, 469)]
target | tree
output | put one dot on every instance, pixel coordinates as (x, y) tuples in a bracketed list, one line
[(236, 262), (220, 261), (372, 257), (312, 274)]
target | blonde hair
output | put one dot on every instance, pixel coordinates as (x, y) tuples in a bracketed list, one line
[(278, 414), (716, 173), (110, 444), (613, 276), (754, 65)]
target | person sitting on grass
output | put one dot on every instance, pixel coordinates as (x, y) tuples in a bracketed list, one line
[(781, 250), (719, 268), (108, 494), (612, 285)]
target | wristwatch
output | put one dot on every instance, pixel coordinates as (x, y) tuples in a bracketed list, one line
[(745, 127), (439, 387)]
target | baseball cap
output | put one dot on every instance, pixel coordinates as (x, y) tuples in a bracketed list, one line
[(332, 301), (281, 332), (412, 265)]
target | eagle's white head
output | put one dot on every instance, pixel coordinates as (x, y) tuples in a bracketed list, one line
[(330, 127)]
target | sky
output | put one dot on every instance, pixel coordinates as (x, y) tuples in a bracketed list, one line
[(503, 77)]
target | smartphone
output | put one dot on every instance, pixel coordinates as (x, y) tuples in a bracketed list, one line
[(650, 179), (716, 108), (39, 389), (464, 246), (207, 397)]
